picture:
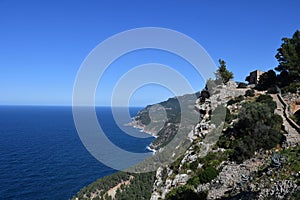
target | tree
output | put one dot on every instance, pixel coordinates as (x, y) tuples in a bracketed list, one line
[(250, 93), (288, 56), (204, 95), (267, 80), (283, 78), (222, 73)]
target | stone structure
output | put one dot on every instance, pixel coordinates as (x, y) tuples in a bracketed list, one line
[(254, 76)]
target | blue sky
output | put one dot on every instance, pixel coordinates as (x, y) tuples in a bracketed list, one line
[(43, 43)]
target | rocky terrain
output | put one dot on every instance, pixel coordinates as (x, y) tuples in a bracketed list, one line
[(204, 135), (246, 178), (206, 168)]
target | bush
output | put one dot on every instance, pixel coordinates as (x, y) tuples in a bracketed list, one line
[(235, 100), (194, 181), (229, 116), (185, 192), (268, 100), (194, 165), (292, 88), (242, 85), (204, 95), (267, 80), (296, 117), (240, 98), (207, 174), (231, 102), (258, 128), (250, 93), (272, 90)]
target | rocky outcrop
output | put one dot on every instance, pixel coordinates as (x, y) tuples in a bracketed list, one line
[(201, 133), (243, 181)]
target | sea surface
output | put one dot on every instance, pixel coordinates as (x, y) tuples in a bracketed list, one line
[(42, 157)]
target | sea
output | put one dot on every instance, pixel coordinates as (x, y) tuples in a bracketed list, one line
[(42, 156)]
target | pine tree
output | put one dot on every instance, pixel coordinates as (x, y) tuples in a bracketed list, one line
[(222, 73), (288, 56)]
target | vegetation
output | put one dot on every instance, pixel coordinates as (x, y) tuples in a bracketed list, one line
[(185, 192), (267, 80), (207, 174), (223, 75), (296, 117), (288, 56), (204, 95), (242, 85), (213, 159), (139, 188), (292, 88), (235, 100), (272, 90), (250, 93), (103, 183), (258, 128), (268, 100)]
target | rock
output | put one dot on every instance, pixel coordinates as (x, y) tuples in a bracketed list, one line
[(180, 179)]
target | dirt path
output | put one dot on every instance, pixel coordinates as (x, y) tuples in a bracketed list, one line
[(112, 191)]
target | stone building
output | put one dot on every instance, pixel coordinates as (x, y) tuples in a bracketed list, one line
[(254, 76)]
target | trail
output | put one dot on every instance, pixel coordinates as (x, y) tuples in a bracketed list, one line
[(292, 136)]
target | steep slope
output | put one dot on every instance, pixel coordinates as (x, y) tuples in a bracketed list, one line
[(241, 153)]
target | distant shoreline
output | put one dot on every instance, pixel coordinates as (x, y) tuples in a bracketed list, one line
[(141, 128)]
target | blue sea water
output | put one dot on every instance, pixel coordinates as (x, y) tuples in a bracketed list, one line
[(42, 157)]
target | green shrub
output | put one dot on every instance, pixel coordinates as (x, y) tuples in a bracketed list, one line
[(272, 90), (194, 165), (296, 117), (231, 102), (292, 88), (229, 117), (258, 128), (250, 93), (268, 100), (207, 174), (185, 192), (235, 100), (194, 181), (242, 85)]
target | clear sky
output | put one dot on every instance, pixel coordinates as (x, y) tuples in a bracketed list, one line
[(43, 43)]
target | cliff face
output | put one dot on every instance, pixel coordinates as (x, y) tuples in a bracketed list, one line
[(203, 137), (210, 168), (226, 158), (164, 120)]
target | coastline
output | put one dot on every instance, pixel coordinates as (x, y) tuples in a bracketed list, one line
[(150, 149), (137, 125)]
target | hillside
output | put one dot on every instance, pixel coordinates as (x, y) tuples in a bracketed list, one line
[(230, 164)]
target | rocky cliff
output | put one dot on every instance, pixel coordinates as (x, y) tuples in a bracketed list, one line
[(238, 149)]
